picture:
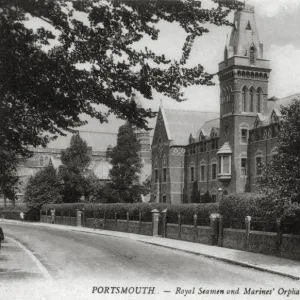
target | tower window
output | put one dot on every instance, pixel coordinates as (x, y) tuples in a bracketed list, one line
[(244, 136), (248, 26), (258, 163), (214, 171), (244, 99), (251, 100), (202, 173), (156, 176), (192, 174), (258, 103), (252, 55), (164, 174), (244, 166)]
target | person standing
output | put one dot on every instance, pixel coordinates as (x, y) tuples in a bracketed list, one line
[(22, 216)]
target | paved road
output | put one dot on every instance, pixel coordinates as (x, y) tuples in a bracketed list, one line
[(79, 261)]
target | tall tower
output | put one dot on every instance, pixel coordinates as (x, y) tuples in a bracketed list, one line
[(244, 76), (143, 137)]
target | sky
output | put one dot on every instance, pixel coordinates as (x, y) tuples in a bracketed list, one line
[(278, 24)]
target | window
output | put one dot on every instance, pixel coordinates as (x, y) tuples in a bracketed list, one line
[(244, 99), (244, 135), (214, 198), (192, 173), (164, 174), (258, 103), (224, 164), (202, 173), (244, 166), (214, 171), (251, 100), (41, 161), (201, 147), (156, 175), (258, 163), (252, 55), (164, 199)]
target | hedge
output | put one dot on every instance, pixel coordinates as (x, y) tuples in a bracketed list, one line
[(12, 213), (238, 206), (186, 210)]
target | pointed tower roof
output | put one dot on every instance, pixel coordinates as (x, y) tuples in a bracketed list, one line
[(244, 34)]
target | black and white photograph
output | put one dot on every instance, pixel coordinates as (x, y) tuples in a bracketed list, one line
[(149, 149)]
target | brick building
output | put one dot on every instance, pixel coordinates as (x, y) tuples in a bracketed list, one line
[(222, 153)]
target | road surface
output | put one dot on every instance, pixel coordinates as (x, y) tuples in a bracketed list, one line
[(79, 262)]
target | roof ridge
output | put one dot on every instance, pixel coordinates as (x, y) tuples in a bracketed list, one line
[(214, 112), (297, 94), (91, 131)]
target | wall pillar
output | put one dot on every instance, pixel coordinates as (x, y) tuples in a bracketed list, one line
[(127, 217), (221, 231), (195, 227), (179, 226), (78, 218), (214, 227), (164, 223), (247, 235), (53, 218), (279, 236), (155, 221)]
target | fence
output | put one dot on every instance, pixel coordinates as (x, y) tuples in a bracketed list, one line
[(278, 237)]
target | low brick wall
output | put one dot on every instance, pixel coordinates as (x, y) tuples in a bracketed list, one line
[(122, 226), (290, 247), (172, 231), (133, 227), (110, 224), (146, 228), (263, 242), (187, 233), (203, 235), (234, 238)]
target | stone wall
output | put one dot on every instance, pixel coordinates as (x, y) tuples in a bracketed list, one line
[(283, 245)]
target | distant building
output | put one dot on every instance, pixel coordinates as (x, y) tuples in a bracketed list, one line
[(222, 152), (100, 145)]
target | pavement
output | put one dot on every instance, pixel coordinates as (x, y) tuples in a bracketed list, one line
[(271, 264)]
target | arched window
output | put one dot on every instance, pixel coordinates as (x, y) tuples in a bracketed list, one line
[(251, 99), (252, 55), (258, 103), (244, 98), (41, 161)]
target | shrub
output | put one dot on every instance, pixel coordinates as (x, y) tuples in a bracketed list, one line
[(238, 206), (186, 210)]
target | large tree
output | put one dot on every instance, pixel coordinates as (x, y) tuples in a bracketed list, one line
[(126, 166), (43, 91), (73, 171), (43, 188), (280, 181)]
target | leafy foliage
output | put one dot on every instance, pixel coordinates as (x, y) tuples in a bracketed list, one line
[(239, 206), (45, 89), (43, 188), (75, 160), (280, 181), (126, 166)]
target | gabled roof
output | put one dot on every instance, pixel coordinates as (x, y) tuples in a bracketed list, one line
[(225, 149), (181, 123), (281, 102), (207, 127)]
